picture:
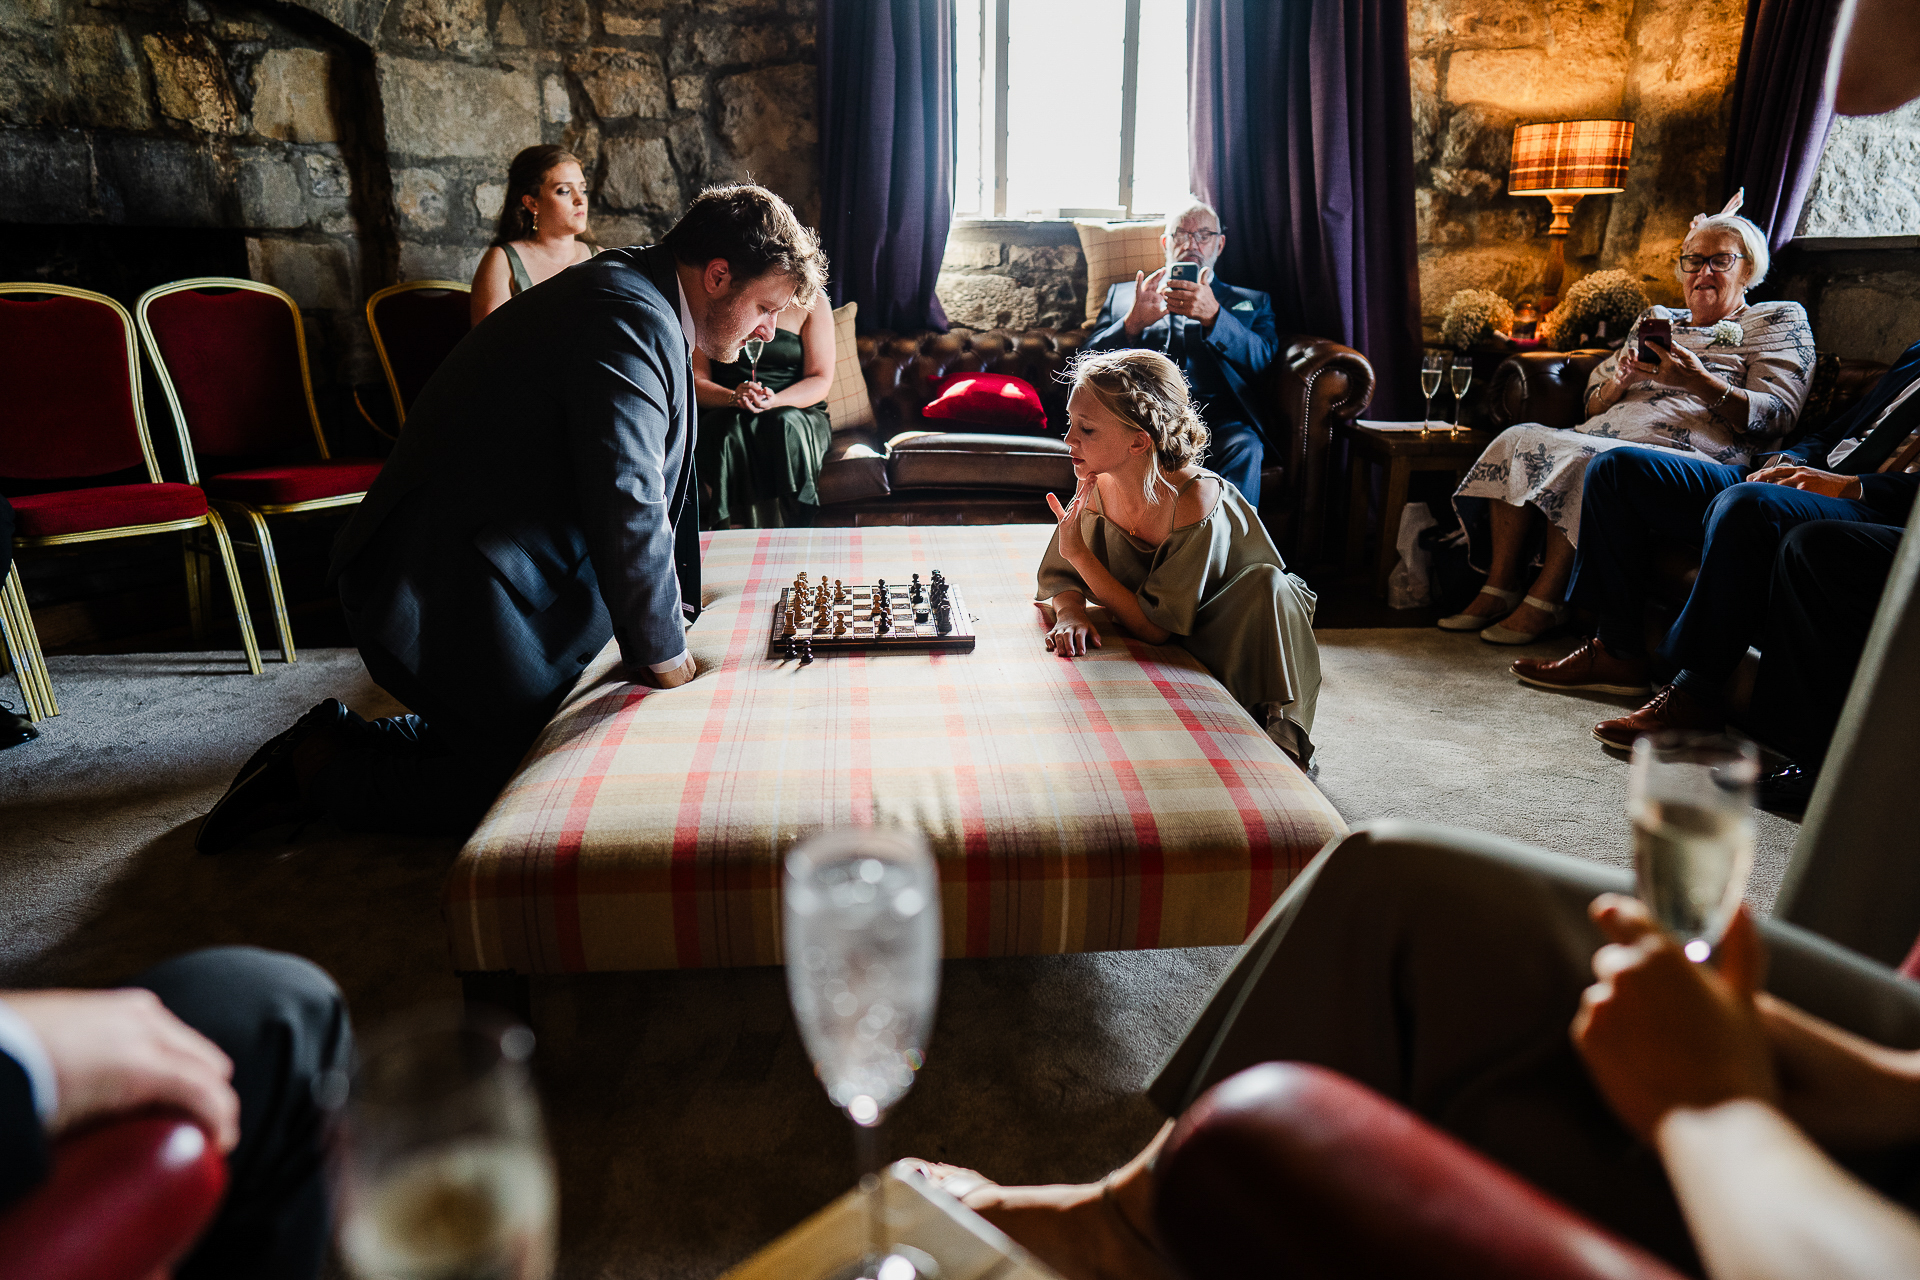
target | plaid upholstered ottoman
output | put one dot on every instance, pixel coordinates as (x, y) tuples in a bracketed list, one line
[(1118, 801)]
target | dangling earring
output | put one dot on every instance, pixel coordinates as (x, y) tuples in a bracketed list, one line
[(535, 215)]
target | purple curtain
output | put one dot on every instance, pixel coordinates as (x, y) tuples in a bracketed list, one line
[(1780, 110), (886, 156), (1301, 119)]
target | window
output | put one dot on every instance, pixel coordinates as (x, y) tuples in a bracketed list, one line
[(1070, 107)]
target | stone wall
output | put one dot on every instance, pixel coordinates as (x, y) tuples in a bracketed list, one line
[(1864, 301), (1015, 275), (1482, 66), (1869, 178)]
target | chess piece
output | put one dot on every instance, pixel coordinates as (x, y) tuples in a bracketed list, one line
[(839, 591), (786, 646), (943, 617), (806, 651), (790, 623), (839, 624), (918, 593)]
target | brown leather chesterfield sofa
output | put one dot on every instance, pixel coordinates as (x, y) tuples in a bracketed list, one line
[(907, 469), (1548, 387)]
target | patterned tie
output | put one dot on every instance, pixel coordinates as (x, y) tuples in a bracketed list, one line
[(1887, 435)]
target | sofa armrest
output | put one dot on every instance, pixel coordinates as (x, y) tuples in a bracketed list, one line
[(1318, 385), (124, 1200), (1547, 387), (855, 467), (1293, 1169)]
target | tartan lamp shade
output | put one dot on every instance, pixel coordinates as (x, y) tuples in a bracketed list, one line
[(1574, 157)]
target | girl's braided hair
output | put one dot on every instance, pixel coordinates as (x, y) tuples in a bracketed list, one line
[(1147, 392)]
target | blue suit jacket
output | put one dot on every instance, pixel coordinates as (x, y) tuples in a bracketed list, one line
[(1891, 495), (541, 498), (1241, 346)]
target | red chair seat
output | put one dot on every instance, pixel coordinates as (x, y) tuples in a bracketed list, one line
[(296, 482), (42, 515)]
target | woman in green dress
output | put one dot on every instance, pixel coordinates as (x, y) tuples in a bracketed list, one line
[(1173, 553), (762, 439), (541, 220)]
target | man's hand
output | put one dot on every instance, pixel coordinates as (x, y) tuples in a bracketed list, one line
[(1149, 303), (672, 679), (1659, 1031), (1810, 479), (1194, 300), (118, 1051)]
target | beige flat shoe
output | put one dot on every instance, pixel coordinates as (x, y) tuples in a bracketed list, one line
[(1503, 634), (1475, 621)]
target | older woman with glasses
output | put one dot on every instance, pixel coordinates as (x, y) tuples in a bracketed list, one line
[(1727, 385)]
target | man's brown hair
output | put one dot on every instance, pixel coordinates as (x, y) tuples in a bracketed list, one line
[(756, 232)]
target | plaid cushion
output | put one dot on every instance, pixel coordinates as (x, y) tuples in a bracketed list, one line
[(1120, 801), (848, 404), (1115, 252)]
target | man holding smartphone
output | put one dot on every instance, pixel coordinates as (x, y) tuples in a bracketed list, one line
[(1223, 338)]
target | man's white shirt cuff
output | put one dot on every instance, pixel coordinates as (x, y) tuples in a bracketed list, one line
[(661, 668), (19, 1042)]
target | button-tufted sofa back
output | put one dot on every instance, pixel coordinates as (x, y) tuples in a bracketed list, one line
[(902, 370)]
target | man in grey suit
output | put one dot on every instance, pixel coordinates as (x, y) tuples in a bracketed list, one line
[(541, 500)]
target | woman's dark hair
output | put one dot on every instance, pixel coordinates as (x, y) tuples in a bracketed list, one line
[(524, 177), (756, 232)]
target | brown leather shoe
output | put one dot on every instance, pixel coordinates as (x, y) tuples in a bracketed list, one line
[(1588, 669), (1671, 708)]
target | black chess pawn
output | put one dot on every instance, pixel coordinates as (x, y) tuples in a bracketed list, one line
[(806, 650), (943, 617), (919, 592), (786, 646)]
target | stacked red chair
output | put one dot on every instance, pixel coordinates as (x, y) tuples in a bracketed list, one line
[(232, 359), (416, 325), (78, 462)]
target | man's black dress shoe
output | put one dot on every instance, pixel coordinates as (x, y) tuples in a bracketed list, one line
[(265, 792), (1787, 790), (14, 727)]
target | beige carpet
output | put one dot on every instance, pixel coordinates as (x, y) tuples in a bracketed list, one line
[(687, 1121)]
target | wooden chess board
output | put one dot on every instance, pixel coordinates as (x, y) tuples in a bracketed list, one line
[(851, 619)]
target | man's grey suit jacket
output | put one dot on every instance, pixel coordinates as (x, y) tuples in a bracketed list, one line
[(541, 498)]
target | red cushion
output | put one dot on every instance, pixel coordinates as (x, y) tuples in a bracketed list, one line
[(301, 482), (234, 358), (69, 394), (991, 400), (42, 515)]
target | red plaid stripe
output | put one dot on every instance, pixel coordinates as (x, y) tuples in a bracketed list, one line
[(1112, 802)]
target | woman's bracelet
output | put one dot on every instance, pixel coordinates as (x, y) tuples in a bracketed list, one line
[(1715, 406)]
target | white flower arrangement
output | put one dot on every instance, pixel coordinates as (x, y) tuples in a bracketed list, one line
[(1474, 314), (1727, 333), (1610, 297)]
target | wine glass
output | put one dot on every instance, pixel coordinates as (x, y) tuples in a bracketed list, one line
[(862, 942), (751, 349), (443, 1168), (1462, 379), (1690, 797), (1430, 366)]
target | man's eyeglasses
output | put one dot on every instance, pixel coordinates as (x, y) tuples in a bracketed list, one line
[(1201, 238), (1693, 262)]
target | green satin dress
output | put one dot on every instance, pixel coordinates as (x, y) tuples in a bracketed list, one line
[(758, 470), (1221, 588)]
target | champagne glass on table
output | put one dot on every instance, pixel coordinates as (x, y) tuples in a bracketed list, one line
[(443, 1170), (1462, 379), (1430, 366), (862, 943), (1690, 797)]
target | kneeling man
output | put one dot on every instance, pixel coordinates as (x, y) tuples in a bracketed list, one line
[(541, 500)]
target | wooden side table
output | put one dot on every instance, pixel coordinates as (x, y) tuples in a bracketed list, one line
[(1399, 448)]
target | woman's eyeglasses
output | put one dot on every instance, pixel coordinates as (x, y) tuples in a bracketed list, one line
[(1693, 262)]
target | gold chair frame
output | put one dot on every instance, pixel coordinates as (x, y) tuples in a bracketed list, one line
[(252, 514), (380, 344), (22, 641)]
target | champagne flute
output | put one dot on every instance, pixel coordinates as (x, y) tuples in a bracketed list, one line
[(1690, 797), (1462, 379), (1430, 366), (443, 1169), (751, 349), (862, 942)]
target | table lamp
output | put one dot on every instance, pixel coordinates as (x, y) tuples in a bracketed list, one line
[(1564, 161)]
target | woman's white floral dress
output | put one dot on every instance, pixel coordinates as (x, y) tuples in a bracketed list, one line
[(1772, 361)]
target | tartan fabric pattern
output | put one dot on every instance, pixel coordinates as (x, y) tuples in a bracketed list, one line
[(1115, 250), (1114, 802), (848, 404), (1570, 155)]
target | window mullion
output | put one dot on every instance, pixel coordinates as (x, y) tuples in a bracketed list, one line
[(1001, 22), (1129, 102)]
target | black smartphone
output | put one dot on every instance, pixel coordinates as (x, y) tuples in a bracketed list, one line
[(1655, 332), (1188, 271)]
